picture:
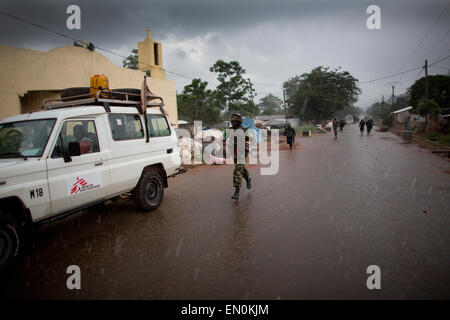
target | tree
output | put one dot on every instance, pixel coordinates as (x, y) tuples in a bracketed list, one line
[(438, 90), (198, 103), (290, 88), (245, 108), (132, 61), (320, 94), (430, 110), (428, 107), (270, 105), (349, 110), (233, 88), (382, 111), (196, 91), (252, 94), (401, 102)]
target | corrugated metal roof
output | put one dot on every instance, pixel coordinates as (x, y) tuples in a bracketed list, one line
[(402, 110)]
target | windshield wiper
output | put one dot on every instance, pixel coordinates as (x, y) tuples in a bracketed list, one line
[(13, 155)]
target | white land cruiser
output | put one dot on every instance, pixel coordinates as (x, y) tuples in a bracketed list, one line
[(79, 153)]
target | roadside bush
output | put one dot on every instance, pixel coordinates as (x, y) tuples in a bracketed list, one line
[(308, 127), (429, 107), (444, 140), (387, 120), (433, 136)]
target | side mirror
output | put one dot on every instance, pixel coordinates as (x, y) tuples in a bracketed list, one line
[(74, 149)]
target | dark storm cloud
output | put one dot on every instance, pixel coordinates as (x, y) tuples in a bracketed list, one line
[(112, 21), (273, 40)]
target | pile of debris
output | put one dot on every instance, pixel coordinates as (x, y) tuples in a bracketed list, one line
[(187, 147)]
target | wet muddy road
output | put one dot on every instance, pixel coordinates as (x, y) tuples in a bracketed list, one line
[(334, 208)]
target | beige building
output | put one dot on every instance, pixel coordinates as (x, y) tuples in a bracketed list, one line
[(150, 57), (28, 76)]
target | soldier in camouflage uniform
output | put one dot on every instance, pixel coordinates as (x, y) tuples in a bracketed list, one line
[(335, 127), (239, 169)]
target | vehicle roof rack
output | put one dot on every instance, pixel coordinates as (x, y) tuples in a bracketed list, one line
[(125, 100)]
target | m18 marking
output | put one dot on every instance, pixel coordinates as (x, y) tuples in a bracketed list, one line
[(38, 192)]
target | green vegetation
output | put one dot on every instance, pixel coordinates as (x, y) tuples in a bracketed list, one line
[(349, 110), (381, 111), (270, 105), (387, 120), (438, 89), (132, 61), (433, 136), (444, 140), (198, 103), (308, 127), (428, 107), (234, 92), (320, 94)]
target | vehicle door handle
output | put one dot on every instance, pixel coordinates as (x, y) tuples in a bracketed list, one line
[(169, 150), (98, 164)]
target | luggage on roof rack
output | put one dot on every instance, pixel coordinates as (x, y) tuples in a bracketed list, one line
[(81, 96)]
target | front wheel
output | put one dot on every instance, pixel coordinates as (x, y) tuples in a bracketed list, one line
[(11, 241), (149, 191)]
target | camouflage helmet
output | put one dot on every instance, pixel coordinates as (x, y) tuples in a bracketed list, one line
[(236, 117)]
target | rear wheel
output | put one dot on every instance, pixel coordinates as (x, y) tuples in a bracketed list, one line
[(11, 239), (149, 191)]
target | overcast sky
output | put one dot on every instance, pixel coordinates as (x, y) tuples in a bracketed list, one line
[(273, 40)]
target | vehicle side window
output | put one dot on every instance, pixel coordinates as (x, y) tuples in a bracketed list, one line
[(125, 127), (158, 126), (82, 131)]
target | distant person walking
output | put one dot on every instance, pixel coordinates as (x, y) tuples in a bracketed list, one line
[(289, 132), (335, 127), (361, 126), (369, 125), (341, 125)]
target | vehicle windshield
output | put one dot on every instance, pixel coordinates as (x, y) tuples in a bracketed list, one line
[(25, 138)]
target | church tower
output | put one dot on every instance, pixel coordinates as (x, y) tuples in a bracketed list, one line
[(150, 57)]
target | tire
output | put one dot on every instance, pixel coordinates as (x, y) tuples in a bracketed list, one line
[(149, 191), (127, 90), (12, 239), (75, 91)]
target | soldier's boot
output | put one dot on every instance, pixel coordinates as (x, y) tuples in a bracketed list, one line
[(236, 194), (249, 182)]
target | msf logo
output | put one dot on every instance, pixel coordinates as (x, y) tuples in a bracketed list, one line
[(78, 186)]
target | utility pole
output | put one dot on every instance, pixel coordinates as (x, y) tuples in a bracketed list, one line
[(284, 102), (393, 84), (229, 108), (392, 96), (252, 92), (426, 79)]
